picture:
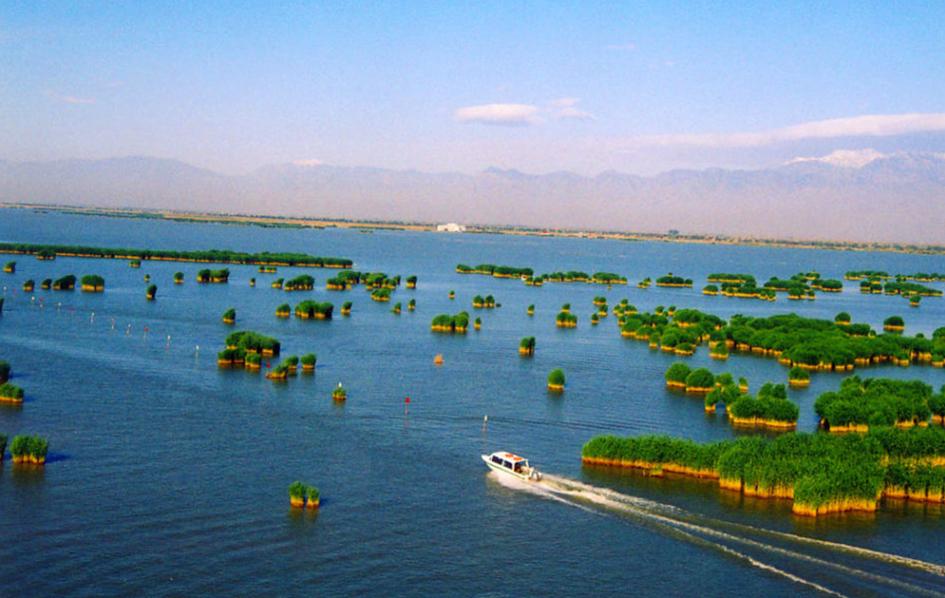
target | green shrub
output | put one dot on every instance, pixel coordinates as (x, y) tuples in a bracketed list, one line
[(678, 373), (11, 391), (556, 377), (700, 378)]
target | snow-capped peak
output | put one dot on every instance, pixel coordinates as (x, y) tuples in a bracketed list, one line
[(844, 158)]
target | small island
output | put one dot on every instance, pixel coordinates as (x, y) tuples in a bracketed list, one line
[(303, 496), (92, 283), (29, 285), (480, 302), (556, 380), (894, 324), (229, 316), (10, 393), (206, 276), (565, 319), (284, 311), (339, 393), (820, 473), (673, 281), (526, 346), (303, 282), (308, 363), (30, 450), (65, 283), (151, 292), (456, 324), (381, 295), (346, 308), (178, 278), (798, 377), (314, 310)]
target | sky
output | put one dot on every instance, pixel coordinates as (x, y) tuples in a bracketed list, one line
[(457, 86)]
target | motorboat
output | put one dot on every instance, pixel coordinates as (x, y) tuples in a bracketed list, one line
[(511, 464)]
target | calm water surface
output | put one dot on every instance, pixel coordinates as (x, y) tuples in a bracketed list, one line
[(168, 476)]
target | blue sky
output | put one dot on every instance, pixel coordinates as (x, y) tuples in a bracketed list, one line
[(463, 86)]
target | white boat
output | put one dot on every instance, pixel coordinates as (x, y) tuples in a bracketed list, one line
[(511, 464)]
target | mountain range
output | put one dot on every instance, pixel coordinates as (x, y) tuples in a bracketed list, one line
[(859, 195)]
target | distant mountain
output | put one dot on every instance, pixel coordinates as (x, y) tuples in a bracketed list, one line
[(853, 195)]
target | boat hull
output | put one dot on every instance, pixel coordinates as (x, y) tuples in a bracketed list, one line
[(503, 470)]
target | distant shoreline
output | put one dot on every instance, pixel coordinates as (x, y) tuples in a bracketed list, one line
[(371, 225)]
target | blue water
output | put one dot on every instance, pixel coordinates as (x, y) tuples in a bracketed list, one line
[(169, 476)]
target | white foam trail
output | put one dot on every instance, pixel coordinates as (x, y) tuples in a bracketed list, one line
[(546, 491), (675, 518), (574, 485)]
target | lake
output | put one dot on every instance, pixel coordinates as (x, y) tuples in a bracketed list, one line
[(169, 476)]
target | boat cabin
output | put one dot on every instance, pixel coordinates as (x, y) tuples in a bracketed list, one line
[(510, 461)]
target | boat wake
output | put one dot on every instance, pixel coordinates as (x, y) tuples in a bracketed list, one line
[(839, 568)]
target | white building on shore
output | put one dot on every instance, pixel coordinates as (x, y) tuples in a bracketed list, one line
[(450, 227)]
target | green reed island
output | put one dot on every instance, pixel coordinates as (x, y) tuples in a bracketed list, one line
[(308, 362), (303, 496), (208, 256), (381, 295), (64, 283), (480, 302), (862, 404), (456, 324), (92, 283), (314, 310), (673, 281), (820, 473), (496, 271), (206, 275), (526, 346), (30, 450), (556, 380), (10, 393), (302, 282)]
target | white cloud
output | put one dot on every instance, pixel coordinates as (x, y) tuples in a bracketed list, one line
[(523, 114), (870, 125), (564, 102), (77, 100), (509, 115), (308, 162), (566, 109)]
